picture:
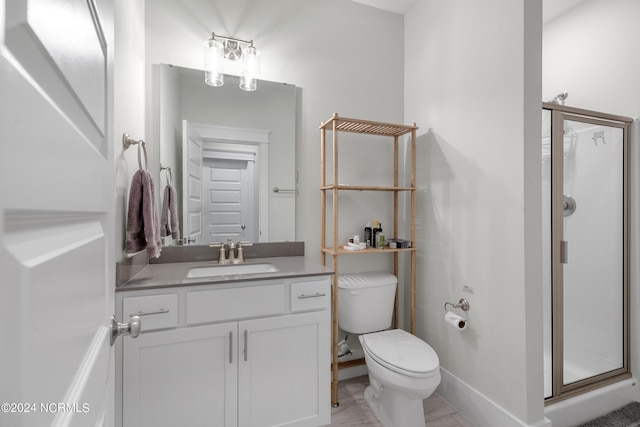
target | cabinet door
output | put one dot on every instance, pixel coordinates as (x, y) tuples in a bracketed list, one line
[(284, 371), (181, 377)]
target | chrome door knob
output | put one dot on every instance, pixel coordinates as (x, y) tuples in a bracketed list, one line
[(132, 328)]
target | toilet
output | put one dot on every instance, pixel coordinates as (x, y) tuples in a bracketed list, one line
[(403, 369)]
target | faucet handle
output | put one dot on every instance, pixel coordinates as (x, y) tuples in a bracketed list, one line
[(222, 258), (240, 257)]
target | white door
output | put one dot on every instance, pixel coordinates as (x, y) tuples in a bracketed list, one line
[(56, 212), (228, 143), (181, 377), (228, 200), (192, 143)]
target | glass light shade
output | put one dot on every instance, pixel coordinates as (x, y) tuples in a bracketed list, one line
[(214, 63), (250, 69)]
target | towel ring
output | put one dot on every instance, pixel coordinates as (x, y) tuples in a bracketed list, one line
[(142, 147), (168, 173)]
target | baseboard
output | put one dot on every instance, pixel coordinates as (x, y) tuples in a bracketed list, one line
[(593, 404), (476, 407), (353, 372)]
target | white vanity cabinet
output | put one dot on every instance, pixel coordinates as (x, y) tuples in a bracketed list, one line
[(241, 354), (180, 377)]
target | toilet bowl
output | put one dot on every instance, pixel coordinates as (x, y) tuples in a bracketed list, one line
[(403, 371)]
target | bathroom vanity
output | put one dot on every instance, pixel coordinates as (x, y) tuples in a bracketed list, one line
[(227, 350)]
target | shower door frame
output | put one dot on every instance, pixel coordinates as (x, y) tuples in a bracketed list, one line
[(560, 113)]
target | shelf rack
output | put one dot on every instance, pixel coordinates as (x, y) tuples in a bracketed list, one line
[(335, 125)]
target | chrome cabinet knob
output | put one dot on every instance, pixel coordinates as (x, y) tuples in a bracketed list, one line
[(132, 328)]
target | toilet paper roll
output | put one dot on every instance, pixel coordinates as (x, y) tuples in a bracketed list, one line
[(458, 322)]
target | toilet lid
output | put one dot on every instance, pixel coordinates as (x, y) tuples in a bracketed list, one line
[(402, 352)]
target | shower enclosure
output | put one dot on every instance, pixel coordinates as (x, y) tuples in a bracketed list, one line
[(585, 258)]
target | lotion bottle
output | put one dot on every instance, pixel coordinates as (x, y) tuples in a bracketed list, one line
[(380, 237), (375, 230)]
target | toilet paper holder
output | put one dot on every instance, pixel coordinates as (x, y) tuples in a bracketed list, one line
[(463, 305)]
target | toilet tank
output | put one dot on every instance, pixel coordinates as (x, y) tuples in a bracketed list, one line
[(365, 301)]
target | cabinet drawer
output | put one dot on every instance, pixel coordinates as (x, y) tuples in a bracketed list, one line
[(156, 311), (313, 295), (226, 304)]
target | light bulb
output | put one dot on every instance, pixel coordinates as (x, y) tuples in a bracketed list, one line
[(213, 63), (250, 69)]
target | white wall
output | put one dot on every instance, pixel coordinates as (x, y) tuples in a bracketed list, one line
[(472, 82), (591, 52), (164, 114), (129, 105)]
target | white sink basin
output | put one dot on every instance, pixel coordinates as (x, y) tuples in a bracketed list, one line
[(231, 270)]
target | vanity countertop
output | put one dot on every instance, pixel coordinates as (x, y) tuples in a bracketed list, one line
[(155, 276)]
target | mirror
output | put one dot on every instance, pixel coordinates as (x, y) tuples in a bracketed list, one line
[(229, 154)]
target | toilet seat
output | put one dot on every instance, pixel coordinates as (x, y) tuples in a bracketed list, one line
[(401, 352)]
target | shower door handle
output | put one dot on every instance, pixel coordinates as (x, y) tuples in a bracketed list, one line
[(564, 252)]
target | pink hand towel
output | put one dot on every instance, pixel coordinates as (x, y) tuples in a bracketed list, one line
[(169, 221), (143, 230)]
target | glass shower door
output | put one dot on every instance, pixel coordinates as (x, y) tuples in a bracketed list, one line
[(592, 249), (584, 202)]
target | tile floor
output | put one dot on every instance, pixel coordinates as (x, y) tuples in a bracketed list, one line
[(354, 410)]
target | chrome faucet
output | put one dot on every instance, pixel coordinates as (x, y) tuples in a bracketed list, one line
[(232, 255)]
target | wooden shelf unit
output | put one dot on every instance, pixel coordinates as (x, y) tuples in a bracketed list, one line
[(340, 251), (337, 124), (365, 188)]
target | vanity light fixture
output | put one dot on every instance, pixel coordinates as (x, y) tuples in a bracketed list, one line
[(219, 49)]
